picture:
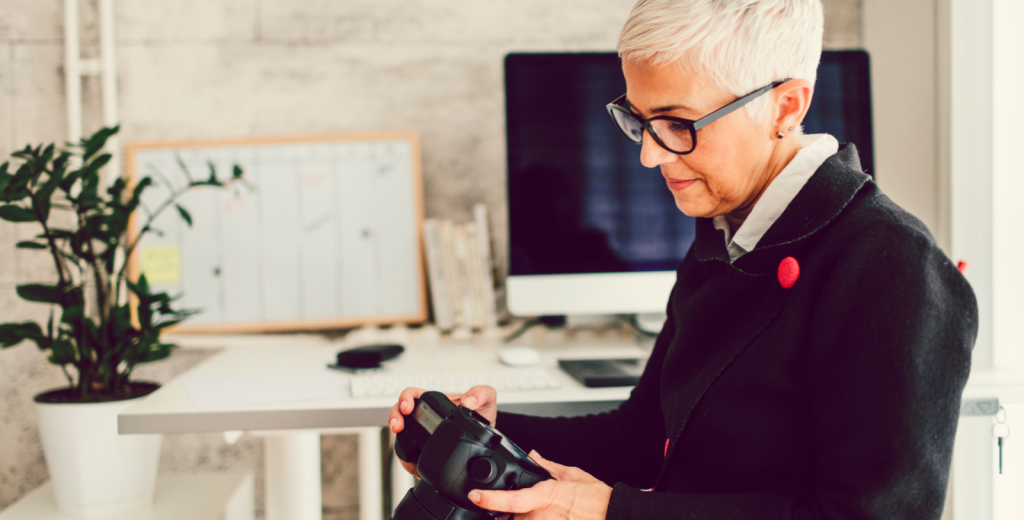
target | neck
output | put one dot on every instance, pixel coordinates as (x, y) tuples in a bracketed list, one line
[(782, 155)]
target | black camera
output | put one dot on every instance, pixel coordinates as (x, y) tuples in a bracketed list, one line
[(456, 451)]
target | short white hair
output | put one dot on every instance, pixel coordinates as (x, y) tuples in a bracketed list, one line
[(742, 45)]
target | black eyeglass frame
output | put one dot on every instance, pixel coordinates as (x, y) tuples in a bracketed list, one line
[(691, 125)]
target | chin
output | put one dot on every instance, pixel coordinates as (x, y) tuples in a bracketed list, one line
[(691, 208)]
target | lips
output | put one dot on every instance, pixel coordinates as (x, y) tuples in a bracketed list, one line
[(679, 184)]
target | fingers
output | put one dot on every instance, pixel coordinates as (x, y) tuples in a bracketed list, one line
[(395, 421), (406, 399), (480, 395), (518, 501), (536, 457), (411, 468), (396, 417), (560, 472), (556, 470)]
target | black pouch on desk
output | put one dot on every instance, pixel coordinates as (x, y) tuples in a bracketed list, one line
[(598, 373), (367, 356)]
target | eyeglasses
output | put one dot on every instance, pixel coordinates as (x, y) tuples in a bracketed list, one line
[(674, 134)]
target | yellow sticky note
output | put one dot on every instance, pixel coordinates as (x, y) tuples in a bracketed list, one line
[(161, 264)]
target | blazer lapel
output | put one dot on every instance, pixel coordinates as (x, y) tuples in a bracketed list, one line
[(720, 319)]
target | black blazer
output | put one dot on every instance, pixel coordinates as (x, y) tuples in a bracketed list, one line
[(835, 399)]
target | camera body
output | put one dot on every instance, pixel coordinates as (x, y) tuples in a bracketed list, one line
[(455, 451)]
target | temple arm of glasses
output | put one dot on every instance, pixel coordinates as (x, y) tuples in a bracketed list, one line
[(731, 107)]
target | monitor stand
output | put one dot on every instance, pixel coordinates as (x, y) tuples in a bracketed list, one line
[(649, 322)]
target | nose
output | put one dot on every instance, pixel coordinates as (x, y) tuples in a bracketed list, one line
[(652, 154)]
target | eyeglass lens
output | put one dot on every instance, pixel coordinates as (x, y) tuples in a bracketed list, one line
[(629, 126), (674, 136)]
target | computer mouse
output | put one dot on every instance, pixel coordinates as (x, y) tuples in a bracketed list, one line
[(519, 356)]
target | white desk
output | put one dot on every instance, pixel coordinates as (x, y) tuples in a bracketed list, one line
[(293, 429), (169, 410)]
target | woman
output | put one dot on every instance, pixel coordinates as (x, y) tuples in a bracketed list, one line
[(817, 339)]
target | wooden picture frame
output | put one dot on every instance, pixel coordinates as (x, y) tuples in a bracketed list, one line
[(136, 151)]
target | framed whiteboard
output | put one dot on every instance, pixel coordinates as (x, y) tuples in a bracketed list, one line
[(328, 236)]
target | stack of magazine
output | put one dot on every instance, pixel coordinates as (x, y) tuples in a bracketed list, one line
[(461, 272)]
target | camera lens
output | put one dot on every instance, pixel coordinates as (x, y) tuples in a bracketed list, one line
[(483, 470)]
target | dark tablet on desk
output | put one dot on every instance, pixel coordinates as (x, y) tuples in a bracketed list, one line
[(598, 373)]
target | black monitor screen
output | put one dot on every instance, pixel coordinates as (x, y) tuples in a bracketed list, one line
[(579, 199)]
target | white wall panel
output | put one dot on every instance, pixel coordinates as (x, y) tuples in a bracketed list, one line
[(1008, 182), (901, 38)]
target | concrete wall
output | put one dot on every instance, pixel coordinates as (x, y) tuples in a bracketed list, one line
[(198, 69)]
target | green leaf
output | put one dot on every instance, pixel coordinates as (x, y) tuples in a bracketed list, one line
[(237, 172), (136, 198), (97, 141), (184, 169), (117, 188), (22, 176), (13, 333), (70, 180), (62, 352), (5, 178), (25, 244), (90, 187), (41, 293), (12, 213), (72, 314), (42, 203), (60, 164), (98, 163), (185, 215), (141, 287), (158, 352), (169, 323), (48, 153), (57, 233)]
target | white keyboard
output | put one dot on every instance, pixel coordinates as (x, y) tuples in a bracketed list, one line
[(377, 384)]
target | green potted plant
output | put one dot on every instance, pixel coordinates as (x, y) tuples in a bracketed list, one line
[(102, 324)]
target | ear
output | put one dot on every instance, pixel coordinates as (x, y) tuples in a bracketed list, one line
[(792, 99)]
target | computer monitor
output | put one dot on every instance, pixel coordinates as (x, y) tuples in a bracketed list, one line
[(591, 230)]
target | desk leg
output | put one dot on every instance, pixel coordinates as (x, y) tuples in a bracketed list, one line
[(293, 476), (371, 477)]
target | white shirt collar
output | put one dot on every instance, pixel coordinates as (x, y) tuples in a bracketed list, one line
[(815, 149)]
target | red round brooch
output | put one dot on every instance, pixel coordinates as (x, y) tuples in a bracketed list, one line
[(789, 272)]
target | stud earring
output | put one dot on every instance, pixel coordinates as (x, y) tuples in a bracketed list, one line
[(781, 135), (791, 129)]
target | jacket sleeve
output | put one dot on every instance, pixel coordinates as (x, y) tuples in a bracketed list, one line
[(623, 445), (888, 357)]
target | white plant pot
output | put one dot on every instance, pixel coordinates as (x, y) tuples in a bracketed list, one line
[(96, 472)]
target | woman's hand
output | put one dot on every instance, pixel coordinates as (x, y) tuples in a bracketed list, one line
[(570, 494), (483, 399)]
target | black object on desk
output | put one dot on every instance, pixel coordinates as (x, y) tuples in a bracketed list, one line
[(600, 373), (367, 356)]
